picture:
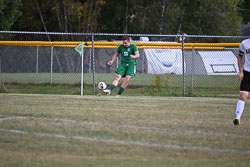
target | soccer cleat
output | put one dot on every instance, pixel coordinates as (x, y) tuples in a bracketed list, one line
[(117, 95), (107, 91), (236, 121)]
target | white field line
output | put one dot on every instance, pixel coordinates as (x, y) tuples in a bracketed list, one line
[(46, 119), (161, 130), (11, 118), (112, 141), (187, 132)]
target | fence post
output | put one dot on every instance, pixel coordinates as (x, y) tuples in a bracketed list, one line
[(183, 66), (192, 69), (93, 61), (51, 65), (90, 57), (82, 52), (37, 58)]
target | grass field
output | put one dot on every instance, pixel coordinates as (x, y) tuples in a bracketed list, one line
[(140, 79), (146, 84), (65, 130)]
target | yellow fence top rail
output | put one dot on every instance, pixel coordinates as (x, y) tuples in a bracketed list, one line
[(161, 45)]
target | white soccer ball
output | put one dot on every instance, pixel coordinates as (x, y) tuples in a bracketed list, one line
[(102, 85)]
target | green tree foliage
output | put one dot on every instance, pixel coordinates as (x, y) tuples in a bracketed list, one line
[(159, 17), (203, 17), (244, 9), (9, 13), (140, 16), (113, 16), (210, 17), (59, 16)]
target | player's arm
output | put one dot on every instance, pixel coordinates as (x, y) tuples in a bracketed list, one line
[(113, 59), (240, 65), (135, 56)]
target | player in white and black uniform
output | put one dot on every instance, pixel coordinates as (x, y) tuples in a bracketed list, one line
[(244, 76)]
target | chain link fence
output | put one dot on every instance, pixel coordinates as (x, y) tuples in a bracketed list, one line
[(169, 65)]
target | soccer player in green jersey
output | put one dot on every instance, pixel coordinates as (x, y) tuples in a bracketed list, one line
[(127, 69)]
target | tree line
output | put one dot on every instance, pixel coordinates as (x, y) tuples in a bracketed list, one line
[(201, 17)]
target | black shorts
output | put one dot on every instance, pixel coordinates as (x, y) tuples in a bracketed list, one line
[(245, 83)]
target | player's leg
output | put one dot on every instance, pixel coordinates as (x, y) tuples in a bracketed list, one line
[(130, 73), (115, 82), (240, 106), (244, 92), (124, 85), (120, 72)]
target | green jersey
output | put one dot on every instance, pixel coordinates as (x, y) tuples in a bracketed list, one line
[(125, 53)]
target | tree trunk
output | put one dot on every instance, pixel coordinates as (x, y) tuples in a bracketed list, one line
[(125, 31), (65, 16), (42, 20), (162, 17), (45, 28)]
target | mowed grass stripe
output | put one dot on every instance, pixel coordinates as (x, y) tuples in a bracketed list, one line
[(124, 126), (112, 141), (59, 125)]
